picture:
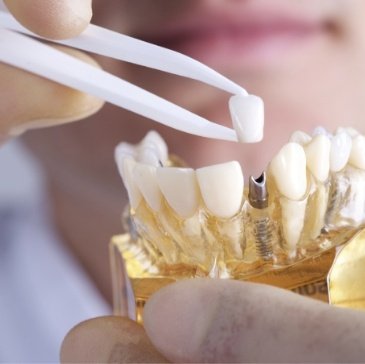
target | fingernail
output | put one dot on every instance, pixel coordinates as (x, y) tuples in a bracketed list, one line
[(177, 318)]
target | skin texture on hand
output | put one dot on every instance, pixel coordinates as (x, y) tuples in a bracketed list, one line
[(109, 340), (54, 19), (206, 320), (28, 101), (232, 321)]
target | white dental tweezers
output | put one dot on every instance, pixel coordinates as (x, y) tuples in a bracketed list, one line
[(19, 50)]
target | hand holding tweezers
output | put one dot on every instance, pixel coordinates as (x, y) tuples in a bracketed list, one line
[(20, 50)]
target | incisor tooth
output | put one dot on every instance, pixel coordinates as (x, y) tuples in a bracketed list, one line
[(300, 137), (146, 180), (357, 156), (247, 113), (134, 194), (289, 171), (221, 187), (180, 188), (318, 157), (341, 145)]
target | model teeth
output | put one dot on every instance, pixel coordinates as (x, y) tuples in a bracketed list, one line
[(247, 113), (301, 138), (154, 142), (318, 157), (203, 213), (146, 180), (134, 194), (352, 132), (122, 151), (289, 171), (149, 155), (221, 187), (357, 156), (180, 188), (341, 146)]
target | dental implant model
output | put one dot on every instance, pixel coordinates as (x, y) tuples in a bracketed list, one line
[(284, 229)]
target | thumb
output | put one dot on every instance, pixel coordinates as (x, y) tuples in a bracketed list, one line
[(28, 101), (54, 19), (231, 321)]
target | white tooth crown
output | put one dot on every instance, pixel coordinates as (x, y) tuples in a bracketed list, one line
[(247, 113), (154, 142), (146, 180), (318, 157), (289, 171), (179, 187), (128, 172), (300, 137), (357, 156), (341, 146), (221, 187)]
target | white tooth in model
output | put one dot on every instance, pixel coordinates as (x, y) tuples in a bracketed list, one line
[(221, 187), (357, 156), (180, 188), (350, 131), (122, 151), (288, 168), (149, 155), (155, 141), (146, 180), (134, 194), (341, 145), (293, 216), (300, 137), (247, 113), (318, 157)]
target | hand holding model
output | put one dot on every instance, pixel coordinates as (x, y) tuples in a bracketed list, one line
[(223, 321), (55, 20)]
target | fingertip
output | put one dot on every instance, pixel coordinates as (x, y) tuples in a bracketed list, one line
[(54, 19), (108, 339)]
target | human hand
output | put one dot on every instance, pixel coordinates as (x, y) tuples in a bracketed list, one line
[(206, 320), (28, 101)]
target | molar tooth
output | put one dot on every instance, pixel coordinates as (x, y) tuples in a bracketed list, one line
[(288, 168), (247, 113), (134, 194), (318, 157), (146, 180), (155, 141), (180, 188), (341, 145), (357, 156), (221, 187), (301, 138)]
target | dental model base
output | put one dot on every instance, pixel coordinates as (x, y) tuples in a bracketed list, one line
[(286, 229)]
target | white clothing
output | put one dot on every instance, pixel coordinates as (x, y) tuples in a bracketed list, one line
[(43, 290)]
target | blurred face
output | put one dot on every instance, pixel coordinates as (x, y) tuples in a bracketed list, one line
[(305, 58)]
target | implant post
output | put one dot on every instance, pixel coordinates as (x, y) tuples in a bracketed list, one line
[(262, 225)]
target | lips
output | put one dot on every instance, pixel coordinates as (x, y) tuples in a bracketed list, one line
[(247, 39)]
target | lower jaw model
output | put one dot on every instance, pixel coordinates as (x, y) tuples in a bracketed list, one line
[(287, 228)]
